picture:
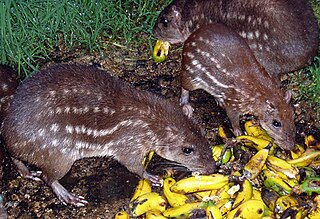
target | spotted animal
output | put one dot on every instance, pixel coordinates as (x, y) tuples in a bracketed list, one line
[(217, 60), (283, 34), (68, 112)]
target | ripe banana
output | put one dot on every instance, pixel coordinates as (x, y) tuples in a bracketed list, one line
[(306, 158), (273, 181), (256, 130), (282, 166), (160, 51), (250, 209), (213, 212), (143, 187), (311, 142), (258, 143), (154, 215), (122, 215), (146, 160), (225, 206), (184, 211), (217, 154), (225, 133), (147, 202), (297, 151), (283, 203), (174, 199), (255, 164), (256, 194), (215, 195), (200, 183), (244, 194)]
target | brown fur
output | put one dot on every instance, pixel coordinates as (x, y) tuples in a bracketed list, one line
[(218, 60), (68, 112), (283, 34)]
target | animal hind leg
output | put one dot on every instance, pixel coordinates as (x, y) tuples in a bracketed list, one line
[(25, 172)]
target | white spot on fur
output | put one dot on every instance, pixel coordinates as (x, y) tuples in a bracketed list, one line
[(4, 87), (250, 35), (69, 129), (54, 127), (257, 34)]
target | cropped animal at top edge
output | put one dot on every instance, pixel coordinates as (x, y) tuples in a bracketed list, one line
[(283, 34), (68, 112), (216, 59)]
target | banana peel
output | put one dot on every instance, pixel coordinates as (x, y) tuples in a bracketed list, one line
[(160, 51)]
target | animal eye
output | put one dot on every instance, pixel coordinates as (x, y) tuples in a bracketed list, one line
[(276, 124), (188, 151), (164, 21)]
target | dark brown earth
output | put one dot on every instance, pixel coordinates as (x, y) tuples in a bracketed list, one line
[(106, 184)]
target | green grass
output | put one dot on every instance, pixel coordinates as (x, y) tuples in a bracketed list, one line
[(31, 30), (309, 86)]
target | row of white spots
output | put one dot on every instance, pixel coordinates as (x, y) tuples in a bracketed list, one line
[(102, 132), (252, 35), (79, 110), (53, 93)]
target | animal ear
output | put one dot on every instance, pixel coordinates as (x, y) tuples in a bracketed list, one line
[(176, 12), (288, 95)]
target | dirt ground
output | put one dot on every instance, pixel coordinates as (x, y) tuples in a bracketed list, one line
[(105, 183)]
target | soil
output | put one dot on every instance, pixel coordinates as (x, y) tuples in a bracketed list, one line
[(105, 183)]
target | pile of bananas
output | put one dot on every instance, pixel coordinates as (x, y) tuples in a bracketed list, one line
[(266, 186)]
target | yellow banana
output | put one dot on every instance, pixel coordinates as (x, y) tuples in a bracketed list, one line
[(147, 202), (154, 215), (315, 213), (174, 199), (225, 206), (143, 187), (256, 130), (184, 211), (259, 143), (213, 212), (250, 209), (160, 51), (282, 166), (200, 183), (215, 195), (244, 194), (146, 160), (283, 203), (225, 133), (306, 158), (216, 152), (254, 166), (203, 195), (122, 215), (311, 142), (273, 181), (297, 151), (256, 194)]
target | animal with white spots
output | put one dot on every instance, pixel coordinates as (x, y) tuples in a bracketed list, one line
[(283, 34), (68, 112), (216, 59)]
